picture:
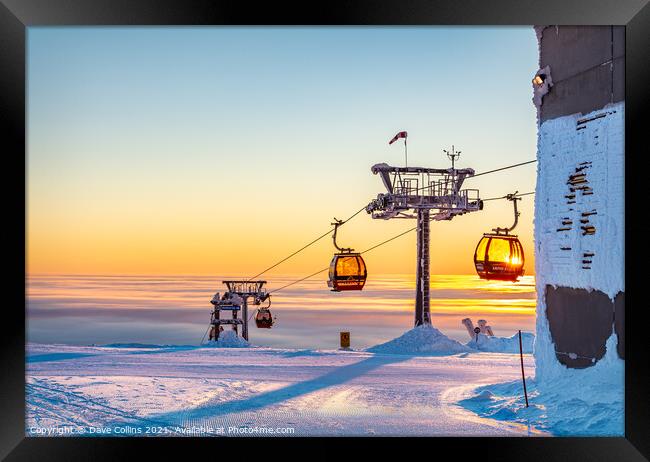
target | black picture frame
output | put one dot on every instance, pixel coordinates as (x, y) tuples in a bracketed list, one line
[(17, 15)]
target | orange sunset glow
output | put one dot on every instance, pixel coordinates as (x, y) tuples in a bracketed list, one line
[(158, 181), (142, 175)]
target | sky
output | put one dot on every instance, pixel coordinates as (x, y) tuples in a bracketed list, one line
[(220, 150)]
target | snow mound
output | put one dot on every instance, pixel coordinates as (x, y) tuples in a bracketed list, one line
[(503, 344), (424, 339), (577, 402), (485, 394), (228, 339)]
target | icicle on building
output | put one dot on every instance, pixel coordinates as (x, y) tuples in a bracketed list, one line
[(579, 201)]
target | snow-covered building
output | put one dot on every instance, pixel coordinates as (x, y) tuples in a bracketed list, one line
[(579, 201)]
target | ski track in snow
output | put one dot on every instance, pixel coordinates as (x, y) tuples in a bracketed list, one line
[(317, 392)]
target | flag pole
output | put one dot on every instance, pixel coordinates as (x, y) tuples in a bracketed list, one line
[(406, 157)]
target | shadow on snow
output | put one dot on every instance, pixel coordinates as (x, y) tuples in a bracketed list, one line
[(47, 357), (338, 376)]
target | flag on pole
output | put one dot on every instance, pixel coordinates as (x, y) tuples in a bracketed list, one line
[(398, 136)]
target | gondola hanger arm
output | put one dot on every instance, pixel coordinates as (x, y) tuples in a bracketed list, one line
[(336, 225), (514, 198)]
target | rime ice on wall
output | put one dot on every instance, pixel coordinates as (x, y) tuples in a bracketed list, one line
[(579, 216), (579, 212)]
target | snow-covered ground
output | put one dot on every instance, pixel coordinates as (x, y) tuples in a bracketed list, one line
[(186, 390), (577, 402)]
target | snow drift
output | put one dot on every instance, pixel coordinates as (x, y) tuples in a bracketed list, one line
[(577, 402), (503, 344), (228, 339), (424, 339)]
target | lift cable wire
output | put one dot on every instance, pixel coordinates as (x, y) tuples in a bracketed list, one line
[(308, 245), (505, 197), (363, 208), (365, 251), (300, 280), (388, 240), (485, 173), (375, 246), (206, 333), (382, 243), (327, 268), (502, 168)]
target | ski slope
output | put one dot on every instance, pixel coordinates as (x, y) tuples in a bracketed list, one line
[(199, 391)]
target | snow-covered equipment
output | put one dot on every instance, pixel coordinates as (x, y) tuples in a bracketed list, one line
[(236, 300), (347, 269), (482, 327), (469, 325), (499, 255), (425, 194)]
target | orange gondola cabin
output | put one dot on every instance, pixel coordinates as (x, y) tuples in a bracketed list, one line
[(499, 257), (347, 268), (347, 272)]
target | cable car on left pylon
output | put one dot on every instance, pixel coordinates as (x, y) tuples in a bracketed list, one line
[(263, 317)]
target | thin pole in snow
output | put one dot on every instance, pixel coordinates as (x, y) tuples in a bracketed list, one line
[(523, 376)]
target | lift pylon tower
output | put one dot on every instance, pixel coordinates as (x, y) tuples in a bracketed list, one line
[(236, 299), (424, 194)]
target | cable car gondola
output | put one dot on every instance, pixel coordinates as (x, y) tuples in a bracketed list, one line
[(347, 268), (263, 317), (499, 255)]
